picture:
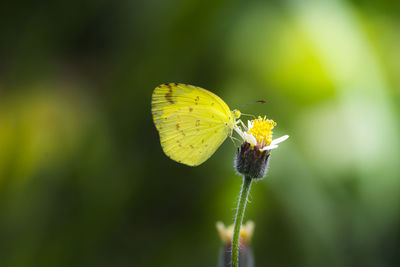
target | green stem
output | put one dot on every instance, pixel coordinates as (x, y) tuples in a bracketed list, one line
[(244, 193)]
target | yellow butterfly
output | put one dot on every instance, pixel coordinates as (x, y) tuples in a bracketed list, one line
[(192, 121)]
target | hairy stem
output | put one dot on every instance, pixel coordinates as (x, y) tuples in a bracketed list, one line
[(244, 193)]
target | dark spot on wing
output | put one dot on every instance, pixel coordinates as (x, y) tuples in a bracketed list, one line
[(168, 95), (196, 101), (212, 103), (177, 126), (191, 147), (190, 109), (202, 141)]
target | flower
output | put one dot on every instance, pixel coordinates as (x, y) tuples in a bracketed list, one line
[(246, 257), (226, 233), (253, 156), (259, 134)]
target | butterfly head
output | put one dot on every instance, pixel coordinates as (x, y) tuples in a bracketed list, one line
[(236, 114)]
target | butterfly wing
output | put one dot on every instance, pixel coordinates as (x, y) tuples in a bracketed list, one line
[(192, 122)]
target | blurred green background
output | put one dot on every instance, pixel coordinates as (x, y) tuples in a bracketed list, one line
[(84, 181)]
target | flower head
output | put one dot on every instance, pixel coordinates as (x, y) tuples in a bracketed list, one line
[(253, 156), (226, 232), (246, 257), (259, 134)]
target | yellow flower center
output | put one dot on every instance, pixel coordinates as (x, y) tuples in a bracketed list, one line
[(262, 130)]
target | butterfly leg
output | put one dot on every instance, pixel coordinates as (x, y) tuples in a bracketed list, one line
[(242, 123), (250, 115), (239, 130), (233, 140)]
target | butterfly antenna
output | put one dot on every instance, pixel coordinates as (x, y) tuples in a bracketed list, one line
[(258, 101)]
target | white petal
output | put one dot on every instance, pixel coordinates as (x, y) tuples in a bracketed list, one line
[(279, 140), (249, 125), (269, 147), (250, 139)]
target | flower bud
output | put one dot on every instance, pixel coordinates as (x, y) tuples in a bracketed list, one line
[(246, 257), (251, 161)]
